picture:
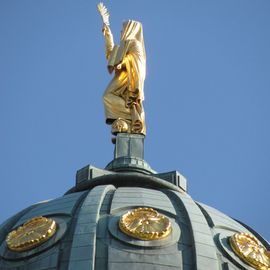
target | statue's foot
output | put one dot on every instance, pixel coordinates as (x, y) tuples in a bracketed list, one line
[(138, 127), (120, 126)]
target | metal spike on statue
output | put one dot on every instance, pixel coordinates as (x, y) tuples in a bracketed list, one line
[(123, 97)]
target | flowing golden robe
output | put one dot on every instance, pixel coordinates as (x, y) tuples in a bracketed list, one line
[(124, 94)]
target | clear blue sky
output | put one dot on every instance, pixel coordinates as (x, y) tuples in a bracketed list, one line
[(207, 98)]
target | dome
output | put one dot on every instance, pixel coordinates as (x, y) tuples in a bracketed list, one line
[(82, 229)]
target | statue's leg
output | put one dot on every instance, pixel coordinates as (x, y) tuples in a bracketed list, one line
[(114, 103)]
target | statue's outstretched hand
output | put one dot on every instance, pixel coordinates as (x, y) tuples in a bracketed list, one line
[(106, 30)]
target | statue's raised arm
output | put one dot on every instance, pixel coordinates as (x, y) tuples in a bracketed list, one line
[(123, 98), (106, 29)]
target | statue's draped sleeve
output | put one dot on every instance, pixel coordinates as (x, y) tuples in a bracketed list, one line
[(109, 44)]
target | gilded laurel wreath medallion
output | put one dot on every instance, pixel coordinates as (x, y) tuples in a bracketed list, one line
[(31, 234), (250, 250), (145, 224)]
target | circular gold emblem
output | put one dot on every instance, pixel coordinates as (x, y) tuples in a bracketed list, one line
[(31, 234), (250, 250), (145, 224)]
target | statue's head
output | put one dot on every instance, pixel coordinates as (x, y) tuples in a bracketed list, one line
[(132, 30)]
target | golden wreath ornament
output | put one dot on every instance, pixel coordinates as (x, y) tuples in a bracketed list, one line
[(250, 250), (145, 224), (31, 234)]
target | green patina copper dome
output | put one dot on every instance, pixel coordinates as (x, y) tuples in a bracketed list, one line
[(87, 219)]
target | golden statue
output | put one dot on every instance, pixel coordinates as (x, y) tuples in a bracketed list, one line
[(124, 95)]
